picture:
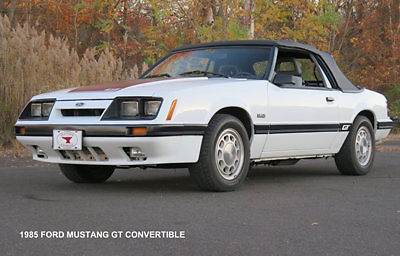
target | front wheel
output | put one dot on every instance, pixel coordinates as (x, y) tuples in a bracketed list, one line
[(86, 173), (225, 155), (357, 154)]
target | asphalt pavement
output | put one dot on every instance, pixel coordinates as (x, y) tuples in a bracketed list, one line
[(306, 209)]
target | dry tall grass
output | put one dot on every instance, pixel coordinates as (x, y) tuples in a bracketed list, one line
[(32, 63)]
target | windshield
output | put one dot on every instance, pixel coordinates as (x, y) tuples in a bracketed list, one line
[(235, 62)]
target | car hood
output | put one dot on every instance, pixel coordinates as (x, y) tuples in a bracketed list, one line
[(140, 87)]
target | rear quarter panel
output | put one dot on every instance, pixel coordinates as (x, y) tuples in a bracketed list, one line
[(351, 104)]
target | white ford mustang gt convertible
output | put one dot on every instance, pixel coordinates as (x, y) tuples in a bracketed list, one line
[(217, 108)]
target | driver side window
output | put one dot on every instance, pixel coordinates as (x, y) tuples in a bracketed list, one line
[(310, 73), (298, 69)]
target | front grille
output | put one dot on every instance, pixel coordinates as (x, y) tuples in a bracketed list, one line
[(86, 154), (82, 112)]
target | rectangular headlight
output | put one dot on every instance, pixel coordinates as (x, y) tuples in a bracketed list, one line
[(129, 108), (151, 107), (36, 109), (133, 108), (46, 108)]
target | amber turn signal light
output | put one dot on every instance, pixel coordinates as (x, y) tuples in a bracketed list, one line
[(171, 109), (20, 130), (137, 131)]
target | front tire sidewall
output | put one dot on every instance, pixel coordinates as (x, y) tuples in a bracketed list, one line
[(211, 154), (205, 172)]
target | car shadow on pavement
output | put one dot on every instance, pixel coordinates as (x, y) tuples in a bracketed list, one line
[(292, 171), (158, 184), (122, 182), (179, 180)]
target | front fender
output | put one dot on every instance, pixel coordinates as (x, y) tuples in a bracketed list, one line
[(199, 105)]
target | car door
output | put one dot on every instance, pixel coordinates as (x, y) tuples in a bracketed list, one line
[(302, 118)]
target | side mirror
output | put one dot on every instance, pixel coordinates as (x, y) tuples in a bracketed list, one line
[(286, 79)]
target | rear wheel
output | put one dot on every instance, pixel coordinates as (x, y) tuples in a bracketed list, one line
[(224, 158), (357, 154), (86, 173)]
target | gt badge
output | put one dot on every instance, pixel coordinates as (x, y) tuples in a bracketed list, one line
[(345, 127)]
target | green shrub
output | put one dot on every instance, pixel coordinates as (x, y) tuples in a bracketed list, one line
[(393, 96)]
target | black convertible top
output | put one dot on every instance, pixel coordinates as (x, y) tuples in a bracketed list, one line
[(340, 78)]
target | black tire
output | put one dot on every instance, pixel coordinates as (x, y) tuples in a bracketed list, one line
[(346, 160), (205, 172), (86, 173)]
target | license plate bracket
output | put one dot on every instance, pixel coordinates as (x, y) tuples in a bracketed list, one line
[(67, 139)]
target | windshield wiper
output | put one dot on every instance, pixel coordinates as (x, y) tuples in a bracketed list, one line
[(158, 75), (205, 73)]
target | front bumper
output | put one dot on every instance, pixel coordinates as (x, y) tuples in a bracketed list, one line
[(158, 150), (106, 145)]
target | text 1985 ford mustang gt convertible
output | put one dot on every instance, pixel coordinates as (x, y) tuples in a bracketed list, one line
[(215, 108)]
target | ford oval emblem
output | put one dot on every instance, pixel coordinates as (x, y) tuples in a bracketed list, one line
[(79, 104)]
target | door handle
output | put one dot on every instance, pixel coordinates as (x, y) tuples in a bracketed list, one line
[(330, 99)]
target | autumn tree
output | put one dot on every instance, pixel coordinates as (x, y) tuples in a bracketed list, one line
[(363, 35)]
